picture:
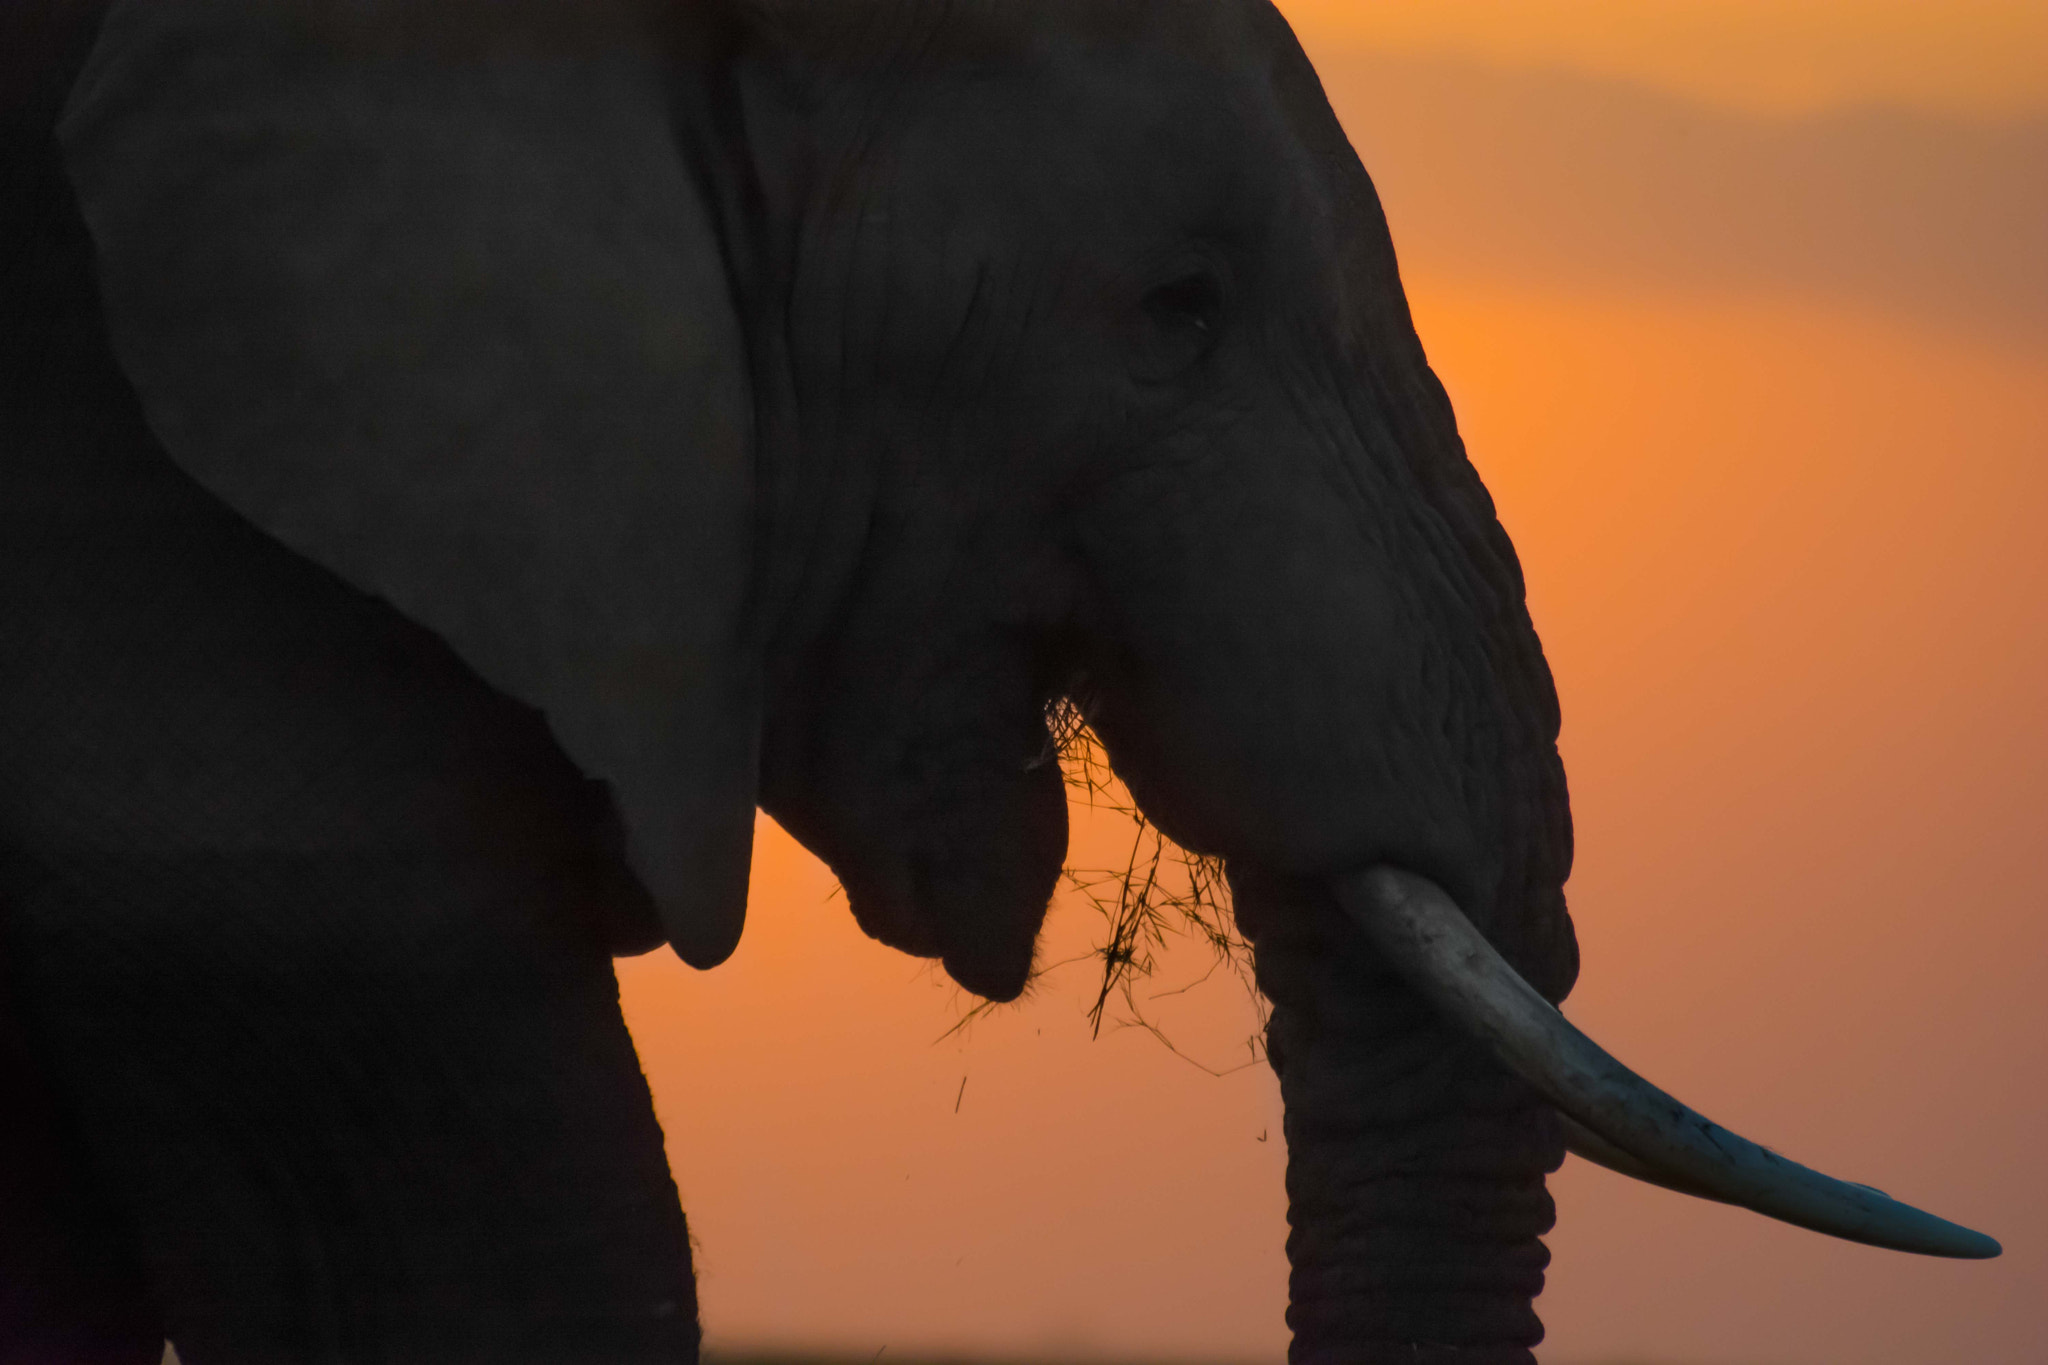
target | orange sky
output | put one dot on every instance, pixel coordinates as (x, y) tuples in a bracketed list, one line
[(1784, 529), (1971, 56)]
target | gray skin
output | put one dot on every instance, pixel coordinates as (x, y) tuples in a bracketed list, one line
[(456, 467)]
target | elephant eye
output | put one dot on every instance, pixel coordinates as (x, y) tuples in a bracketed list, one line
[(1181, 320), (1192, 302)]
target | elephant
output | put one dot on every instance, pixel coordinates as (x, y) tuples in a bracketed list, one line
[(463, 458)]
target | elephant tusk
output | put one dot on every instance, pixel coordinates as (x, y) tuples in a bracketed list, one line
[(1584, 1143), (1613, 1116)]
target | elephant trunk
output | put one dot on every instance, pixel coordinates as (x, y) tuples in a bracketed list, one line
[(1416, 1163)]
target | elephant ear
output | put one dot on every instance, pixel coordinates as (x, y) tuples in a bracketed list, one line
[(429, 294)]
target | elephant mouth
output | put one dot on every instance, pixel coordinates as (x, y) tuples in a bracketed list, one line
[(1611, 1115)]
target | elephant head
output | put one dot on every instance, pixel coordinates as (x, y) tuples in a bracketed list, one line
[(793, 400)]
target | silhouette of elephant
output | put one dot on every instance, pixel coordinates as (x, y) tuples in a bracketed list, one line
[(461, 458)]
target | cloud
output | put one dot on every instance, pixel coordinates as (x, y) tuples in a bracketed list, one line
[(1554, 178)]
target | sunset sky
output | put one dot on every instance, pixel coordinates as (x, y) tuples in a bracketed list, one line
[(1743, 305)]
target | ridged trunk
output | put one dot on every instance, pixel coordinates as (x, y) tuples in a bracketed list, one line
[(1416, 1165)]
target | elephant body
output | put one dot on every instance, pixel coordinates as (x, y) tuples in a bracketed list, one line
[(349, 734)]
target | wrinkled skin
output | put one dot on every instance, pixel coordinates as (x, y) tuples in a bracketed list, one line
[(1076, 363)]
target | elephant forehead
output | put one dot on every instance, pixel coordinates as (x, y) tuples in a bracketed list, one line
[(1111, 112)]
